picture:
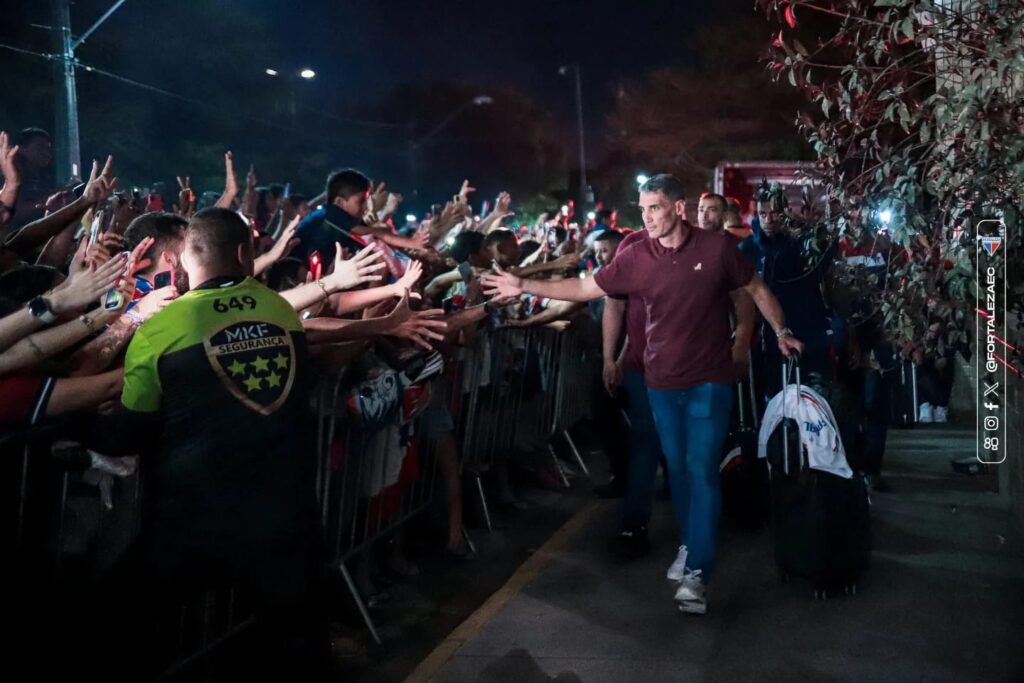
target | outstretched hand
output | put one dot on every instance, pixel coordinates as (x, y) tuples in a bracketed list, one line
[(88, 285), (416, 326), (356, 270), (501, 283)]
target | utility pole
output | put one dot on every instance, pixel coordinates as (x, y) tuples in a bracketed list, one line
[(66, 130), (68, 152), (584, 196)]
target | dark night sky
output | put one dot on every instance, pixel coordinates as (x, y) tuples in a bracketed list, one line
[(360, 52), (364, 48)]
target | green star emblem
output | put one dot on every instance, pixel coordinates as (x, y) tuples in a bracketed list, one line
[(237, 368), (273, 380), (260, 364), (253, 383), (281, 361)]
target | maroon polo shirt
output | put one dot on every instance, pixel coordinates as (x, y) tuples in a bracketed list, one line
[(685, 294), (636, 315)]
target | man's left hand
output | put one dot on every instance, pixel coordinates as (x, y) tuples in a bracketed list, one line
[(789, 344)]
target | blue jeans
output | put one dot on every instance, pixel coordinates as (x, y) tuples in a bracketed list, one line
[(644, 453), (692, 425)]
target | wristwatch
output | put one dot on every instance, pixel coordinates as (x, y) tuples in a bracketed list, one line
[(40, 309), (784, 332)]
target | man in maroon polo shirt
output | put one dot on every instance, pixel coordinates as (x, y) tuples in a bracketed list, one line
[(683, 276)]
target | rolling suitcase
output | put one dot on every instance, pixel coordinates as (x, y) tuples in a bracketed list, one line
[(821, 521), (744, 478)]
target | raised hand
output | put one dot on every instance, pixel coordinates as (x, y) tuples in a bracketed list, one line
[(100, 185), (379, 199), (8, 165), (230, 183), (503, 204), (390, 206), (354, 271), (250, 178), (135, 260), (186, 198), (124, 212), (413, 272), (466, 189), (88, 285), (416, 326), (287, 241), (501, 283)]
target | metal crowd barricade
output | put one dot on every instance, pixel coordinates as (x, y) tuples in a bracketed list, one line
[(526, 386), (512, 388), (370, 481)]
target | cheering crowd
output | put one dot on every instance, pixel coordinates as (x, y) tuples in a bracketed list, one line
[(192, 330)]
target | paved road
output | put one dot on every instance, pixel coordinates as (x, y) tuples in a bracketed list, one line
[(943, 601)]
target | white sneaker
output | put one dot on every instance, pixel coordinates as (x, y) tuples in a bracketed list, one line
[(678, 569), (691, 596), (925, 413), (940, 414)]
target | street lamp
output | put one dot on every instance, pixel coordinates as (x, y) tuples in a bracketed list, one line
[(415, 145), (305, 74)]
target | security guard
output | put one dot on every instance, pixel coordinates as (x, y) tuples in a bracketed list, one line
[(220, 378)]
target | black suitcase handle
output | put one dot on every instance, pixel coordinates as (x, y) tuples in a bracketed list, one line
[(790, 366)]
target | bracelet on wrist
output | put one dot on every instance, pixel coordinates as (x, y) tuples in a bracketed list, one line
[(134, 316), (784, 332), (323, 288)]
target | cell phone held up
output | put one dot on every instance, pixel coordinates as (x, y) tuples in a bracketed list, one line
[(316, 266), (164, 279)]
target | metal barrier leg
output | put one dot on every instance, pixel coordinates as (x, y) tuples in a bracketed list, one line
[(483, 503), (558, 465), (360, 604), (576, 452)]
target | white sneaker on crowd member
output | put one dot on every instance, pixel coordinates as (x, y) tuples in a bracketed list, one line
[(691, 596), (678, 569), (941, 414), (925, 414)]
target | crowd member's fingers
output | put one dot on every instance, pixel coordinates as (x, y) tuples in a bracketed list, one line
[(136, 260), (89, 284)]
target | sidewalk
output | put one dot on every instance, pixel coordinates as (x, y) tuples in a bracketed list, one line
[(943, 600)]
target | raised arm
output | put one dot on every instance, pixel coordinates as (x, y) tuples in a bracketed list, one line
[(99, 187), (346, 274), (227, 197), (569, 289)]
